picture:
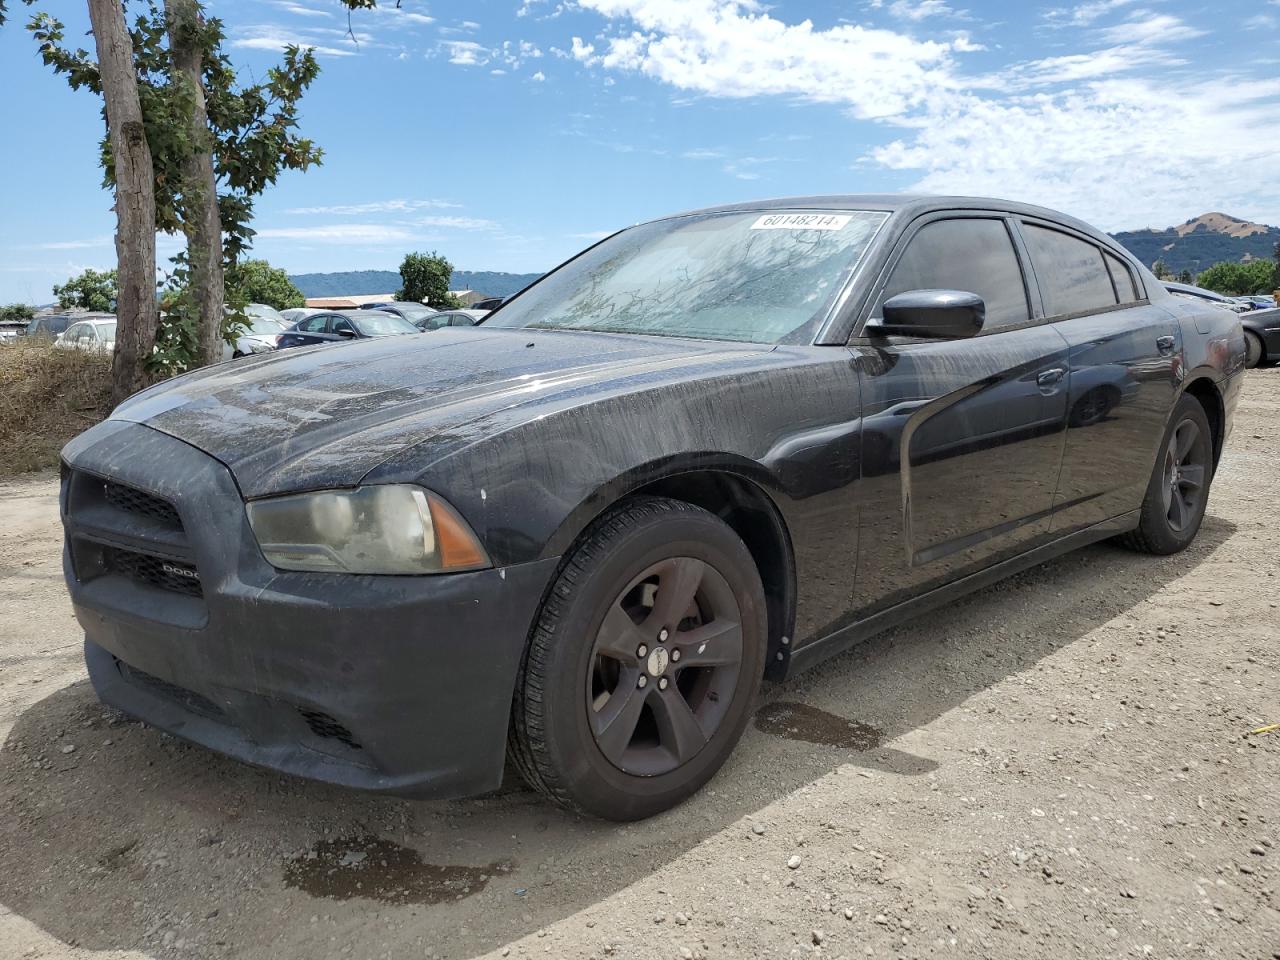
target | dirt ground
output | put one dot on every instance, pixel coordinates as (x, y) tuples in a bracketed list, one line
[(1058, 767)]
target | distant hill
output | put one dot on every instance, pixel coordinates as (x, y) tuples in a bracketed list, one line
[(1200, 243), (361, 283)]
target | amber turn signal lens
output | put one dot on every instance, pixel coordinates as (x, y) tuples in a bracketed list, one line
[(456, 546)]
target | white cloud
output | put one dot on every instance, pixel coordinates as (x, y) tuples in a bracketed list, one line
[(1148, 28), (377, 206), (104, 241), (539, 77), (467, 53), (455, 223), (367, 234), (592, 235), (720, 48), (920, 9), (272, 37), (1084, 14)]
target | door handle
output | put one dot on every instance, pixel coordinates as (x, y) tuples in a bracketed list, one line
[(1049, 378), (1166, 343)]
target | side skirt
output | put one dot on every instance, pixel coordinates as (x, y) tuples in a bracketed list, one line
[(811, 654)]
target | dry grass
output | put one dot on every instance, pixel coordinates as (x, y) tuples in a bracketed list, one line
[(47, 396)]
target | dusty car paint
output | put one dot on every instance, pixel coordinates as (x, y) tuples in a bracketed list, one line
[(881, 475)]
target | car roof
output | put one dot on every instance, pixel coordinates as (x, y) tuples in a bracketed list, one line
[(905, 204)]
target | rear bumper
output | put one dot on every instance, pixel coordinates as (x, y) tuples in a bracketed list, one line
[(394, 684)]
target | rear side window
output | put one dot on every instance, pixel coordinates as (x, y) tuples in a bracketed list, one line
[(1126, 289), (972, 254), (1072, 274)]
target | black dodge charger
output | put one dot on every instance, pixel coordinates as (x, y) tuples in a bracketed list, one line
[(711, 449)]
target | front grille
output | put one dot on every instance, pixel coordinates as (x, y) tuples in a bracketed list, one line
[(154, 571), (327, 728), (140, 502), (189, 699)]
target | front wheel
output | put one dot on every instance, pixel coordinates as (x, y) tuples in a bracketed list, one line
[(643, 664), (1178, 492)]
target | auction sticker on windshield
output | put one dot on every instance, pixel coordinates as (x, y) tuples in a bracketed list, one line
[(801, 221)]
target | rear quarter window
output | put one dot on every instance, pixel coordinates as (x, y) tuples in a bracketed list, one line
[(1072, 275), (1126, 287)]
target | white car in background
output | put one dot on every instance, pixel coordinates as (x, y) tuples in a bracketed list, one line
[(96, 335), (265, 324)]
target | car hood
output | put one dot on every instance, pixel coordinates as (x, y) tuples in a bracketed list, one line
[(324, 416)]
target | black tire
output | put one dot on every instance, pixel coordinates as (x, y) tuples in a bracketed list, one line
[(1178, 492), (625, 559), (1253, 348)]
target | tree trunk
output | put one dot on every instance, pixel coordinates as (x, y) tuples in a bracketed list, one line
[(137, 313), (200, 220)]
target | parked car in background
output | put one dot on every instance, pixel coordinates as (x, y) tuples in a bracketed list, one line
[(294, 314), (50, 326), (450, 318), (717, 445), (1260, 302), (260, 337), (338, 325), (1262, 336), (10, 330), (493, 303), (412, 312), (266, 311), (1188, 292), (95, 335)]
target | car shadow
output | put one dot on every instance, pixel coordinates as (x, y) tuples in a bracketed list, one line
[(115, 836)]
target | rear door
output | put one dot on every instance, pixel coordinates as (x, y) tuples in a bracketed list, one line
[(962, 439), (1125, 360)]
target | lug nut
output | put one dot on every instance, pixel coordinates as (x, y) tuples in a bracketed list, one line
[(662, 635), (643, 651), (662, 684), (642, 681), (675, 655)]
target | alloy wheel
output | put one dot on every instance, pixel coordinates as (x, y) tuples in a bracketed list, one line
[(1184, 476), (664, 666)]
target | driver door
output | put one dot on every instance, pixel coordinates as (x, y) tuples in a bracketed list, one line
[(962, 439)]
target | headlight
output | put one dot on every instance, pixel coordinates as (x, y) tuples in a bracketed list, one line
[(374, 529)]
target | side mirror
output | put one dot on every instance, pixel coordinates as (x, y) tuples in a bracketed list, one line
[(346, 332), (945, 314)]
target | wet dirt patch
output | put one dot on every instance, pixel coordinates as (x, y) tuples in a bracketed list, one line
[(375, 869), (799, 721)]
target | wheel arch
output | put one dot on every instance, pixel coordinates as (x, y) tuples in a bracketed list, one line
[(735, 490), (1205, 390)]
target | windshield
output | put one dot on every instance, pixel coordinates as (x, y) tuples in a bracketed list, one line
[(255, 310), (412, 312), (376, 324), (760, 277), (265, 326)]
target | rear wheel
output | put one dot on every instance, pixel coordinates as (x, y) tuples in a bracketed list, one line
[(644, 662), (1253, 349), (1179, 488)]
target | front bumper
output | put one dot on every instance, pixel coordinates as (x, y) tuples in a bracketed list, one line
[(395, 684)]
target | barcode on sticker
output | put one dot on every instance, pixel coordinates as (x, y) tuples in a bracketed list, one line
[(801, 221)]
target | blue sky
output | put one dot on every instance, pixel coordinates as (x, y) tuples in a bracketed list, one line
[(509, 133)]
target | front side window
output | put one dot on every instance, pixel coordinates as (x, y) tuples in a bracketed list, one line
[(975, 255), (756, 277), (343, 325), (74, 333), (1072, 275)]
